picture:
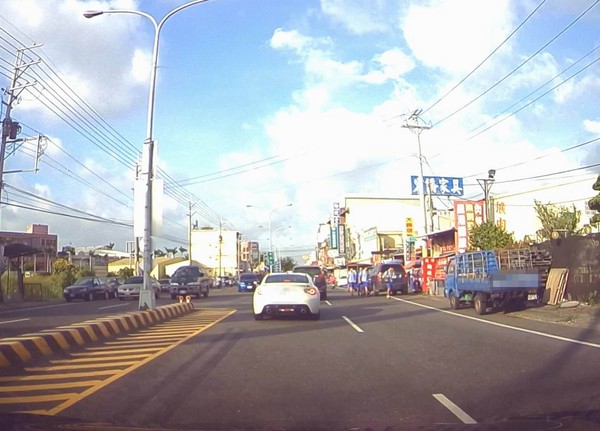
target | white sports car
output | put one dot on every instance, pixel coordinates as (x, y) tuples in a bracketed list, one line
[(286, 294)]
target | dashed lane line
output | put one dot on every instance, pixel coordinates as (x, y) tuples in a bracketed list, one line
[(457, 411)]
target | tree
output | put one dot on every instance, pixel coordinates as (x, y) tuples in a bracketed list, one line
[(557, 218), (125, 273), (287, 264), (594, 203), (64, 272), (489, 236)]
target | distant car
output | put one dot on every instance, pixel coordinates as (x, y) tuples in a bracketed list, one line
[(133, 285), (190, 280), (87, 289), (286, 294), (399, 283), (248, 282), (113, 284), (165, 284), (317, 275)]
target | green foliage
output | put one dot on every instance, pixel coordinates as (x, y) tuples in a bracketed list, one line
[(62, 265), (287, 264), (489, 236), (125, 273), (85, 272), (557, 218), (64, 279)]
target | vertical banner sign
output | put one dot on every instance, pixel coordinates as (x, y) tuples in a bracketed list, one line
[(342, 239), (333, 232), (408, 227), (466, 215)]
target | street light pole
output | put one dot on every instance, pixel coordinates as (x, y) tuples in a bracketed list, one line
[(486, 185), (147, 299)]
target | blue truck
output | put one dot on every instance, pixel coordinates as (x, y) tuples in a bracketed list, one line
[(486, 279)]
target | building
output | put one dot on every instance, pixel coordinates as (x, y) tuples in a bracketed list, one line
[(36, 236), (218, 250), (249, 255)]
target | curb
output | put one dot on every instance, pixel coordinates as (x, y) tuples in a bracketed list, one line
[(21, 349)]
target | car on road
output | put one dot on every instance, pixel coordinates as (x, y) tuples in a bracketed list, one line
[(248, 282), (113, 284), (190, 280), (87, 289), (165, 284), (133, 285), (399, 282), (286, 294), (317, 275)]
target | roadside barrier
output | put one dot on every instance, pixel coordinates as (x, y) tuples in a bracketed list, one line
[(21, 349)]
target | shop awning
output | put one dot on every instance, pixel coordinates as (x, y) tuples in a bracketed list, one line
[(437, 233)]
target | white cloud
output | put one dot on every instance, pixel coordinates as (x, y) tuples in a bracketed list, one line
[(359, 19), (455, 36)]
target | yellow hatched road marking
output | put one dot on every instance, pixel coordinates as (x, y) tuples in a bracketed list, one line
[(122, 355), (49, 386), (114, 351), (71, 401), (146, 337), (80, 367), (37, 377), (37, 399), (96, 359), (142, 343)]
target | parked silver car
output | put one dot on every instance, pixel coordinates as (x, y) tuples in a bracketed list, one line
[(133, 285)]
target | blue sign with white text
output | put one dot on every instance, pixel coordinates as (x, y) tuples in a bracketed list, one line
[(437, 186)]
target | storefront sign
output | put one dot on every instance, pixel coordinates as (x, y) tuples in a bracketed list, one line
[(466, 215)]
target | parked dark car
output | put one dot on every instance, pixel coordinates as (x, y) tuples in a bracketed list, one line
[(87, 289), (399, 282), (248, 282), (317, 275)]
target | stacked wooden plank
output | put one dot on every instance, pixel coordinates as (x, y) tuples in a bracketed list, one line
[(557, 285)]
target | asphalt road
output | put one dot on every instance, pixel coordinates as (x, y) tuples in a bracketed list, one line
[(369, 363), (25, 320)]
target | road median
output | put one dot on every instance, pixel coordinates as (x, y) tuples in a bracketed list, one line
[(26, 347)]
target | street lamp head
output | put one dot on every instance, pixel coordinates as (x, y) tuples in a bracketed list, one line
[(491, 174), (92, 13)]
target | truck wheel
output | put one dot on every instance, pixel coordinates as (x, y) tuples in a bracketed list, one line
[(454, 302), (480, 303)]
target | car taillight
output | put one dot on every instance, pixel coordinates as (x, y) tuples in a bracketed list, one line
[(311, 291)]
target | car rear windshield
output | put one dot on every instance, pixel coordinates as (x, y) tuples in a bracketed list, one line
[(398, 269), (248, 277), (134, 280), (312, 270), (286, 278)]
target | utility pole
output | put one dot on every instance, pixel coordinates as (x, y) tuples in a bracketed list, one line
[(10, 128), (412, 123), (486, 186), (190, 227), (220, 249)]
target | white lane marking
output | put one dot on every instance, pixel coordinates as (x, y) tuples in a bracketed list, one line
[(113, 306), (458, 412), (327, 302), (502, 325), (13, 321), (351, 323), (14, 310)]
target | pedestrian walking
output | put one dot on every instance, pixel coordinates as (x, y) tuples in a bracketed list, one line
[(352, 277), (388, 278), (363, 281)]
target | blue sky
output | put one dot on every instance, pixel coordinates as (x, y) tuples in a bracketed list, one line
[(269, 102)]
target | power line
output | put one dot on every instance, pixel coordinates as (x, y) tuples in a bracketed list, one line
[(518, 67), (486, 58)]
